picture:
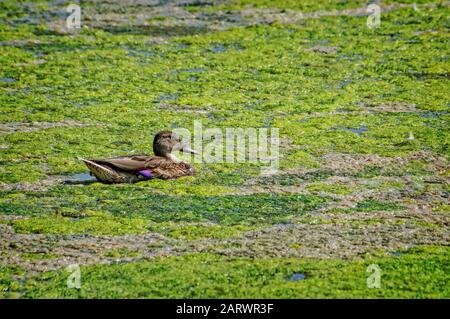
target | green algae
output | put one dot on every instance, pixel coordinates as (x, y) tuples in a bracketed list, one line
[(194, 231), (125, 201), (373, 205), (329, 188), (38, 255), (108, 90), (91, 225), (121, 253), (419, 273), (9, 282), (304, 6)]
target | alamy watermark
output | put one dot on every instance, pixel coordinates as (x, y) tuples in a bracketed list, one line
[(74, 279), (374, 279), (73, 21), (374, 18), (234, 145)]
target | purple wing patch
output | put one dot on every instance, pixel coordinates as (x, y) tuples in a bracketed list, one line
[(146, 173)]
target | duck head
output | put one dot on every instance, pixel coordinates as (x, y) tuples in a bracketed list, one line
[(166, 142)]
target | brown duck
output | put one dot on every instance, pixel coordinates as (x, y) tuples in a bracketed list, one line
[(134, 168)]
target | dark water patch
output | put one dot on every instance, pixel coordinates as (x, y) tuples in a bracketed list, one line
[(7, 80), (182, 46), (80, 178), (191, 70), (392, 36), (233, 19), (342, 84), (297, 277), (413, 41), (428, 76), (359, 130), (195, 3), (218, 48), (216, 116), (238, 47), (194, 70), (396, 253), (433, 114)]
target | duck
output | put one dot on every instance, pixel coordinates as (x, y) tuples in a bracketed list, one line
[(134, 168)]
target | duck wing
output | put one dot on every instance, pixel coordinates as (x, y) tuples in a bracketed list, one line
[(108, 173), (164, 168), (131, 163)]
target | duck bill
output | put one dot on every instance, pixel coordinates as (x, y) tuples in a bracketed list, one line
[(187, 149)]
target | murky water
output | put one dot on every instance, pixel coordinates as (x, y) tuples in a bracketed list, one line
[(7, 80), (134, 52), (193, 70), (297, 277), (359, 130), (433, 114), (396, 253), (218, 48), (80, 178), (342, 84)]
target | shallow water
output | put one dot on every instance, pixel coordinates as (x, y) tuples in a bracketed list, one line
[(433, 114), (218, 48), (396, 253), (80, 177), (7, 80), (358, 130), (297, 277)]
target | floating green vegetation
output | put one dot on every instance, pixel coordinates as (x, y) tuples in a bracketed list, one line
[(305, 6), (38, 255), (9, 282), (333, 188), (379, 79), (420, 273), (92, 225), (128, 207), (373, 205), (187, 186), (121, 253), (194, 231), (329, 83)]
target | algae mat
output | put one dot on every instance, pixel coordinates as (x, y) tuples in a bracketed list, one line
[(363, 181)]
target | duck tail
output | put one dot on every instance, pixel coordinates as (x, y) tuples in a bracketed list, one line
[(102, 172)]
